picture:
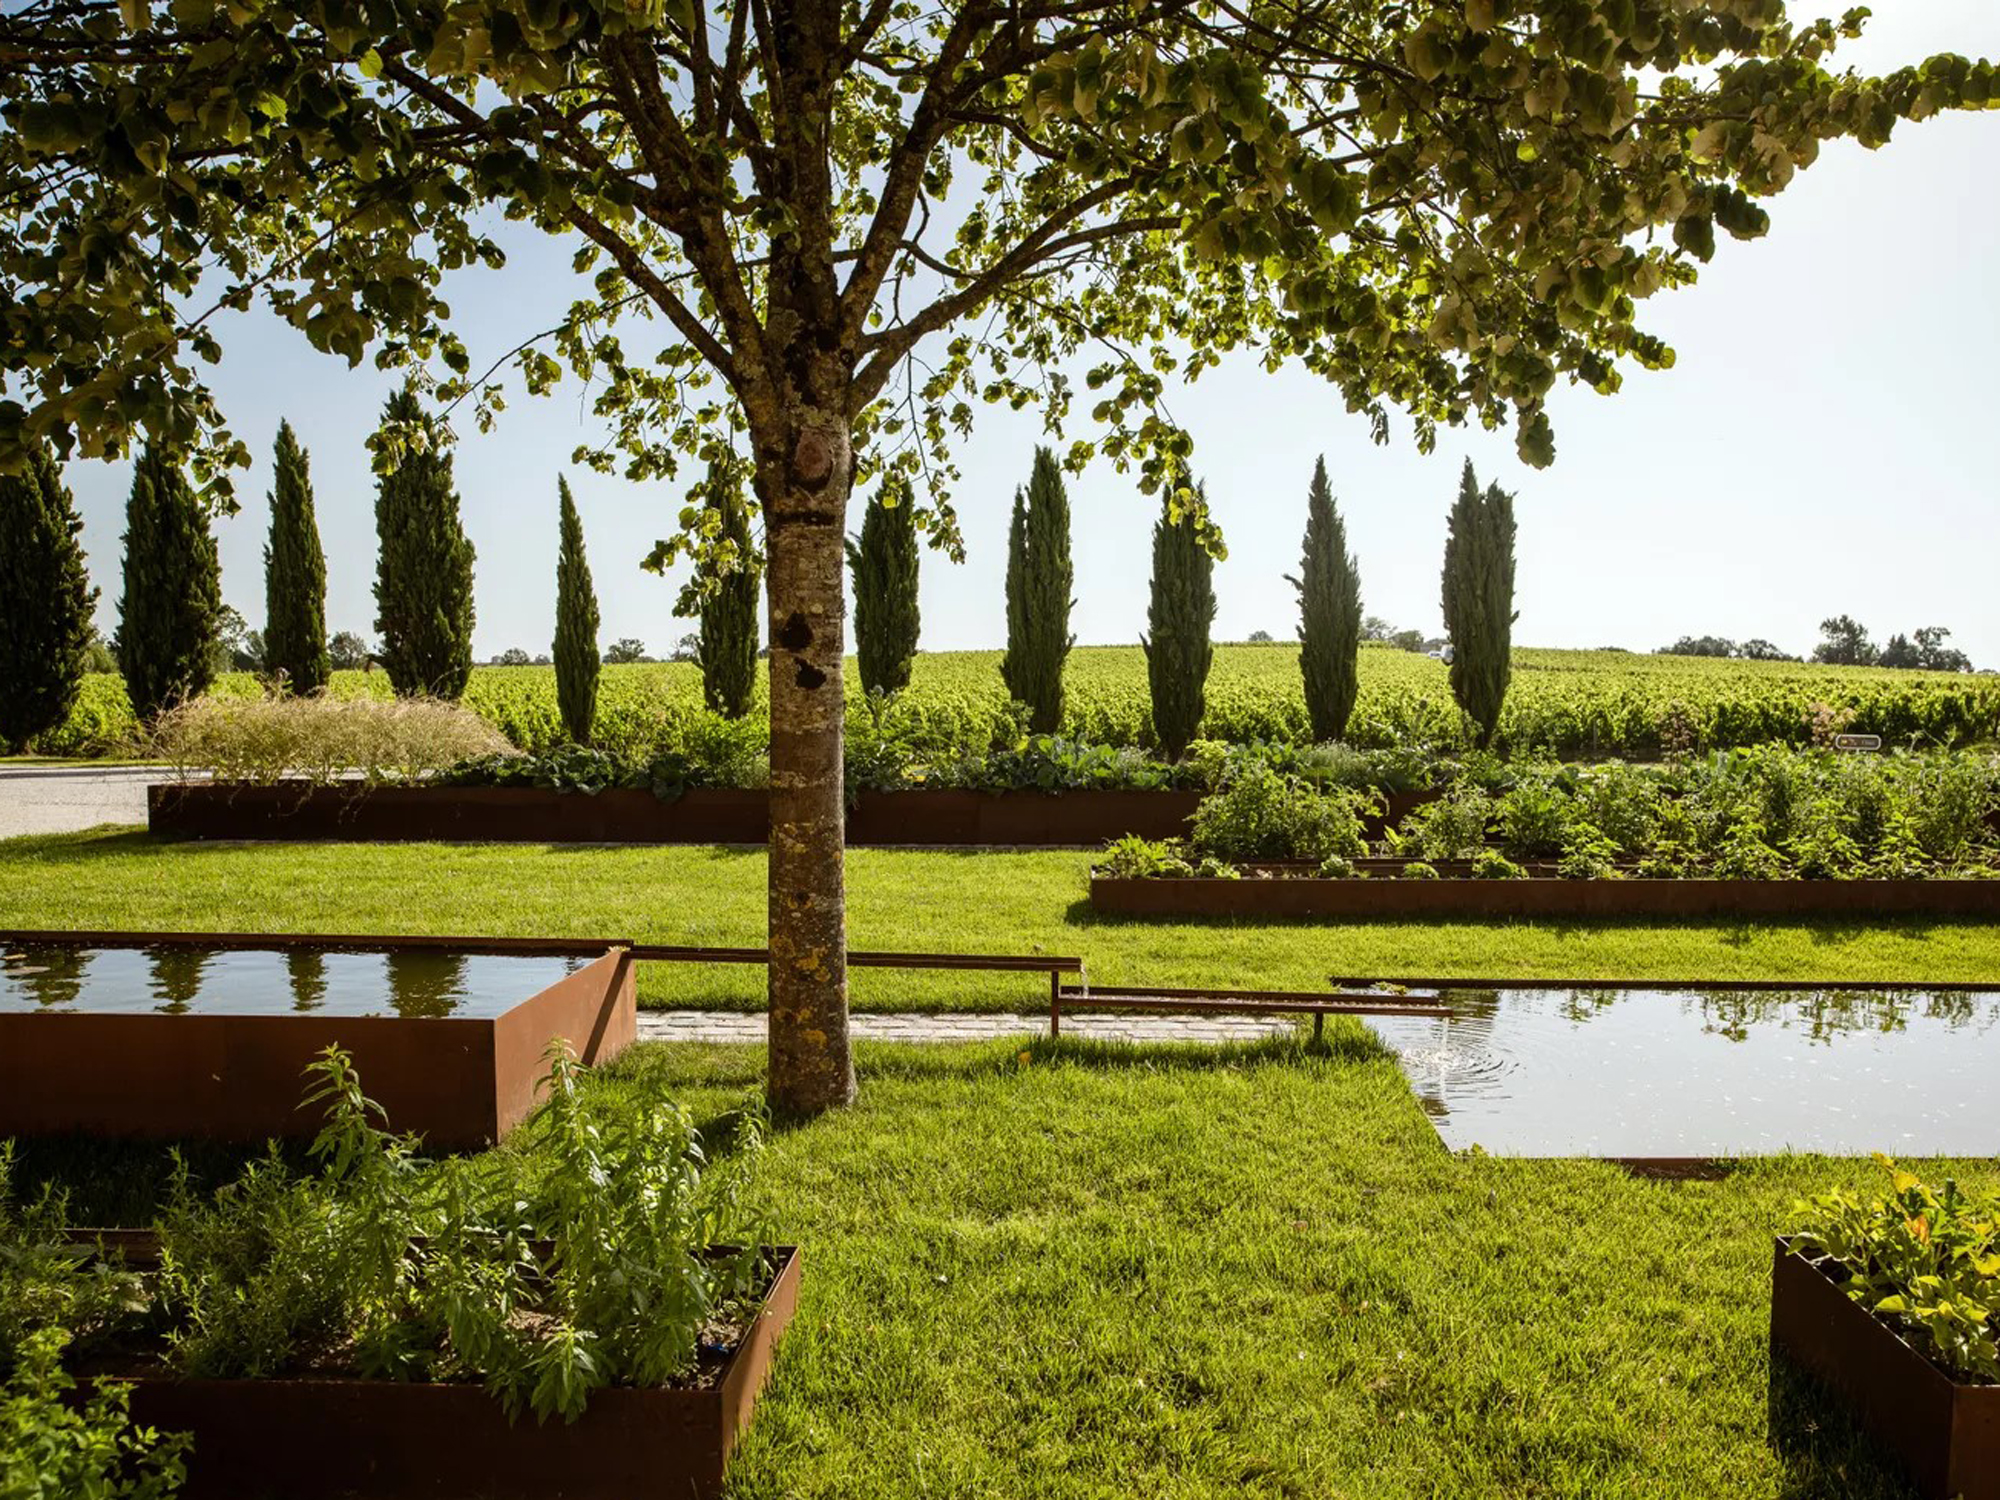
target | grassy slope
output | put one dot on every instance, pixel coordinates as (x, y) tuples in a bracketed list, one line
[(988, 902), (1091, 1272)]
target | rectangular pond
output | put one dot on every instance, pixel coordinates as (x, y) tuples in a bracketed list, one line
[(1655, 1073), (209, 1035)]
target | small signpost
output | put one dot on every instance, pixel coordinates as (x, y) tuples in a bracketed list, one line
[(1857, 742)]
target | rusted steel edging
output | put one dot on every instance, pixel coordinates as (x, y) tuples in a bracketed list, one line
[(1385, 900)]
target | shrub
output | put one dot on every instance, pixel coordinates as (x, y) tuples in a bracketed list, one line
[(321, 739), (1418, 869), (1924, 1260), (1134, 858), (1261, 814), (1491, 864), (1452, 827), (427, 1269), (55, 1446), (1537, 811)]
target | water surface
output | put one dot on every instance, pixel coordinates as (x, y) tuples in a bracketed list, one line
[(1650, 1072), (260, 982)]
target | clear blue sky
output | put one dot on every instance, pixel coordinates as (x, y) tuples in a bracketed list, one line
[(1826, 444)]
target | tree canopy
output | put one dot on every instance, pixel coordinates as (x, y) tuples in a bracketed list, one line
[(1443, 207)]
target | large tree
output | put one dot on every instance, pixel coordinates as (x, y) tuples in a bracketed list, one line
[(1478, 602), (294, 576), (1441, 208), (423, 566), (575, 648), (1180, 620), (1329, 586), (170, 618), (884, 564), (46, 602), (1039, 579)]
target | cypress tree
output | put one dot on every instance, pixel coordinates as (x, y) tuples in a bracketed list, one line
[(423, 572), (1179, 618), (884, 565), (1329, 585), (45, 601), (575, 650), (728, 648), (1039, 579), (173, 590), (294, 577), (1479, 602)]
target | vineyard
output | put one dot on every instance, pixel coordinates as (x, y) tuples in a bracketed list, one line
[(1571, 704)]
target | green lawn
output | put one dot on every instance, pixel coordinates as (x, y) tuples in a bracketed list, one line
[(986, 902), (1037, 1271)]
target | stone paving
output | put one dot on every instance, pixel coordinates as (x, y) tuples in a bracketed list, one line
[(730, 1026), (65, 799)]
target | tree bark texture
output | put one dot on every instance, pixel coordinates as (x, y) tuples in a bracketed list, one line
[(803, 483)]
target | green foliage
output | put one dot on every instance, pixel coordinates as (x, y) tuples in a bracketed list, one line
[(1329, 586), (1491, 864), (1179, 618), (423, 570), (607, 1267), (577, 663), (728, 596), (1134, 858), (1418, 869), (46, 602), (168, 617), (55, 1447), (1262, 815), (1451, 827), (1478, 597), (295, 645), (1925, 1260), (884, 565), (1039, 580)]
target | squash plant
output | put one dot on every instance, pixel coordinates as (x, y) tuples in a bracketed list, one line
[(1926, 1260)]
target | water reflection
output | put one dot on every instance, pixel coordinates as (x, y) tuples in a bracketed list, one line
[(307, 970), (1708, 1072), (182, 980), (426, 984), (177, 977)]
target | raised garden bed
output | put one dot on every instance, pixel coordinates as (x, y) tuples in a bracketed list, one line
[(1390, 898), (1083, 818), (207, 1035), (1946, 1432), (317, 1439)]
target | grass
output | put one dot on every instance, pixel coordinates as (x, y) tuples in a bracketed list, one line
[(1071, 1271), (898, 899)]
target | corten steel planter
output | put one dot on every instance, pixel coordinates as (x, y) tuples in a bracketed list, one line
[(461, 1082), (703, 815), (1947, 1434), (398, 1440), (1386, 899)]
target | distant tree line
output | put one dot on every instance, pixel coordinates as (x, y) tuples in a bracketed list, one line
[(1844, 642)]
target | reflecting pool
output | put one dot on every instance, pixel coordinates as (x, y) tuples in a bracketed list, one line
[(1709, 1073), (181, 980)]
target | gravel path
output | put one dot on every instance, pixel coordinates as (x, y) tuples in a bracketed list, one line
[(65, 799), (729, 1026)]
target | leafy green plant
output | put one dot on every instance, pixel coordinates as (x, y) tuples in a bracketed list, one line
[(1418, 869), (1925, 1260), (1587, 854), (604, 1270), (1211, 868), (53, 1447), (1339, 867), (46, 1279), (321, 739), (1134, 858), (1491, 864), (1261, 814), (1537, 811), (1452, 827)]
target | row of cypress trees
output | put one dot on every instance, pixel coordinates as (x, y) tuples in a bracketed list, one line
[(1477, 586)]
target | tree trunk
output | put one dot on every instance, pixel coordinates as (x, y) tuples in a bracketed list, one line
[(803, 485)]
